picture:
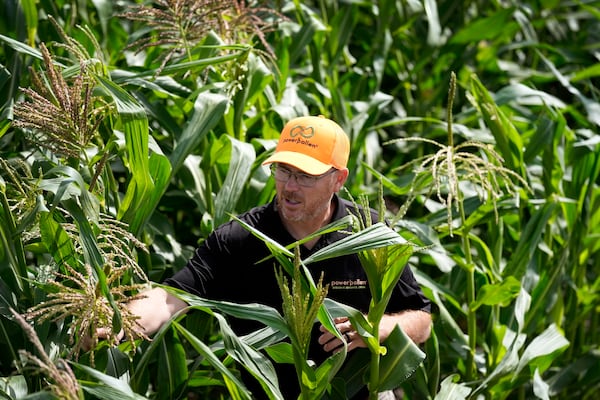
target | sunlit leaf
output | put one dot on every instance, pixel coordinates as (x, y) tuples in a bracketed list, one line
[(110, 388), (375, 236), (449, 390), (502, 293), (401, 360), (542, 349), (57, 241)]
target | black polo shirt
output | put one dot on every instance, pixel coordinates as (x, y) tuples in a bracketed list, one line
[(224, 267)]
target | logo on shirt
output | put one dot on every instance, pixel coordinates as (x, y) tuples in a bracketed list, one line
[(349, 284)]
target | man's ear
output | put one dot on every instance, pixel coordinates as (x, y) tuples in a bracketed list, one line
[(341, 177)]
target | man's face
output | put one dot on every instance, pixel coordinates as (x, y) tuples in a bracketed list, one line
[(297, 203)]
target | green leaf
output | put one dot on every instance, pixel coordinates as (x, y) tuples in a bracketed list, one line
[(160, 170), (93, 256), (342, 25), (507, 365), (149, 174), (507, 137), (581, 371), (16, 385), (531, 237), (258, 77), (337, 309), (450, 323), (402, 359), (208, 110), (453, 391), (522, 307), (135, 127), (540, 388), (173, 372), (211, 358), (434, 33), (327, 371), (21, 47), (68, 185), (588, 72), (397, 258), (528, 96), (57, 241), (110, 388), (87, 235), (31, 17), (497, 294), (304, 35), (375, 236), (12, 253), (542, 350), (257, 312), (591, 106), (254, 362), (281, 353), (486, 28), (194, 65), (105, 392), (240, 165)]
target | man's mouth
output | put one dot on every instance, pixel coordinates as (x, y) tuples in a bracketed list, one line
[(290, 201)]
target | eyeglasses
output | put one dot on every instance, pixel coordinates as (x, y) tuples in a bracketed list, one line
[(283, 174)]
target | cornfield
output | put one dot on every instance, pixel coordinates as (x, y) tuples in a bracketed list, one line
[(130, 130)]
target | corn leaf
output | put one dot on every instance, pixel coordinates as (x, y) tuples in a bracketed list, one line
[(375, 236), (241, 159), (208, 110)]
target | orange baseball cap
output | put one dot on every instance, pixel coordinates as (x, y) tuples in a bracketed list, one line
[(312, 144)]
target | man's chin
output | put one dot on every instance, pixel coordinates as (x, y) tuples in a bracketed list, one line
[(291, 217)]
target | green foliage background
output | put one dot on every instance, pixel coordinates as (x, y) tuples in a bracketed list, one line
[(182, 128)]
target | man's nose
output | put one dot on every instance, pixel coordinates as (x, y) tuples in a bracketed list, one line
[(292, 182)]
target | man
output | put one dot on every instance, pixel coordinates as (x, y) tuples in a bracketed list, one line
[(309, 167)]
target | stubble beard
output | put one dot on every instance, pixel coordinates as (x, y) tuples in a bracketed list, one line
[(304, 215)]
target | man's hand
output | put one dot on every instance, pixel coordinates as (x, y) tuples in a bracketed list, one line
[(88, 342), (332, 343), (415, 323), (152, 309)]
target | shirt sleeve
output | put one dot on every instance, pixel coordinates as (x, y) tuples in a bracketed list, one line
[(199, 272), (206, 273)]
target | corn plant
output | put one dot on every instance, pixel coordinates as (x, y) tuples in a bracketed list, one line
[(501, 285), (443, 173), (300, 309), (383, 254)]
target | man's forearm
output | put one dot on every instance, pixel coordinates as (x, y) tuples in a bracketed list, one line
[(415, 323)]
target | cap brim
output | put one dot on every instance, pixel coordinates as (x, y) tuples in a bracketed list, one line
[(298, 160)]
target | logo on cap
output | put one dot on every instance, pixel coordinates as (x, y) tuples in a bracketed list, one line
[(305, 132)]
